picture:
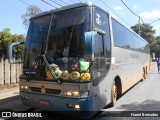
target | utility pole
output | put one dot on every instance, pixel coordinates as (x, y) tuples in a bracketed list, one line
[(139, 25)]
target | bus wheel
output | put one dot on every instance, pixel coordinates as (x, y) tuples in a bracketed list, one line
[(144, 74), (113, 94)]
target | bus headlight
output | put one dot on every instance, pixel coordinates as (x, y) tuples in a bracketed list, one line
[(74, 93), (68, 93), (24, 87)]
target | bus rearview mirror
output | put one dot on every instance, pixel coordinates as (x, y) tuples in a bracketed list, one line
[(88, 47), (11, 48)]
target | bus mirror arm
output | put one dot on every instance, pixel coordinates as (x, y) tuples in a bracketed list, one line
[(10, 52)]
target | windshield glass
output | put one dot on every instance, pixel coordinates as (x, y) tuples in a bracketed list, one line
[(37, 34), (64, 37)]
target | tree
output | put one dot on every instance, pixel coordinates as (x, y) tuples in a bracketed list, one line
[(146, 32), (31, 11), (158, 39), (155, 47), (6, 38)]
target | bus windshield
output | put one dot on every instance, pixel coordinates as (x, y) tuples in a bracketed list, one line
[(37, 36), (64, 37)]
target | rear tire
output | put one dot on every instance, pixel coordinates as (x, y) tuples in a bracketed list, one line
[(113, 94), (143, 74)]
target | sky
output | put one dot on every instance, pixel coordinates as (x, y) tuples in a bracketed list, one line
[(149, 10)]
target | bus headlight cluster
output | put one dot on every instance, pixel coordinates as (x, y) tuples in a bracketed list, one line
[(75, 93), (72, 93), (24, 87)]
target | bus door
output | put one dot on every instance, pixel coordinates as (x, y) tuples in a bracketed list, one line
[(100, 24), (99, 65), (98, 70), (101, 55)]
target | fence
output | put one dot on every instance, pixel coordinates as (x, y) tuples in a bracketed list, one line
[(9, 73)]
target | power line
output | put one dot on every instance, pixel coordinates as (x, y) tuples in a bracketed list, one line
[(48, 3), (139, 17), (24, 2), (80, 1), (133, 12), (56, 3), (64, 2), (115, 12), (71, 1), (129, 8)]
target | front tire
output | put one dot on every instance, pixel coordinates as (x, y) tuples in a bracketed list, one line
[(113, 94)]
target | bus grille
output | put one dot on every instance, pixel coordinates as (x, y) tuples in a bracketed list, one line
[(48, 91)]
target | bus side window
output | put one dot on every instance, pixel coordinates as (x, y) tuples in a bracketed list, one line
[(98, 46), (99, 65)]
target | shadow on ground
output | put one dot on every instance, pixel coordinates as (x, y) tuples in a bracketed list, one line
[(147, 105)]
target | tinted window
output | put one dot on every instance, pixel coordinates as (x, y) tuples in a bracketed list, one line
[(67, 30), (126, 39), (37, 35), (118, 34), (99, 50)]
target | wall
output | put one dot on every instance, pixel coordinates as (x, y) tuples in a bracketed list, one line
[(9, 73)]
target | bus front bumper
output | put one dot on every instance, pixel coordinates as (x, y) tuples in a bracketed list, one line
[(57, 103)]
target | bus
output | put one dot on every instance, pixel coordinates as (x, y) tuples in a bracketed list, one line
[(79, 58)]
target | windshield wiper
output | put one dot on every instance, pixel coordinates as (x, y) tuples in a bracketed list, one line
[(50, 69), (66, 49)]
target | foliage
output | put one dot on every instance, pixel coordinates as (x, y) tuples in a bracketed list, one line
[(158, 39), (6, 38), (31, 11), (147, 32)]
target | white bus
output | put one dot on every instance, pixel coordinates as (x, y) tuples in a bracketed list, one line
[(79, 58)]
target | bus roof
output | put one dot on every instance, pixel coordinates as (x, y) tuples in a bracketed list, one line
[(81, 5), (61, 9)]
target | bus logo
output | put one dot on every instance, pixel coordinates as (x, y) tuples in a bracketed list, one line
[(98, 21), (43, 90)]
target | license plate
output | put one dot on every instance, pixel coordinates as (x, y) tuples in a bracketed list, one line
[(44, 102)]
